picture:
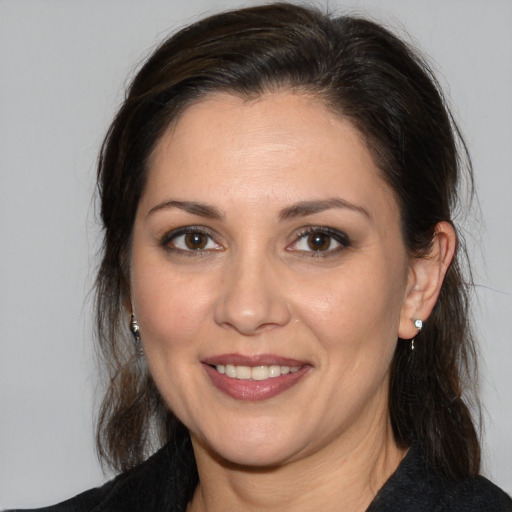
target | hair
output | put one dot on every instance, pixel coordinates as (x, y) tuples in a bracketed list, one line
[(371, 78)]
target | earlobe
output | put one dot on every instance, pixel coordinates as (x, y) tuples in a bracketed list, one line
[(426, 276)]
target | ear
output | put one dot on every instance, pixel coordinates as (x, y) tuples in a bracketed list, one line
[(426, 275)]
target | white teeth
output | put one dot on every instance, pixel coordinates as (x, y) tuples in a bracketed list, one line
[(255, 372), (260, 373), (274, 371), (243, 372), (231, 371)]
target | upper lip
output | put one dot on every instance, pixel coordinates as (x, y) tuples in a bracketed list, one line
[(253, 360)]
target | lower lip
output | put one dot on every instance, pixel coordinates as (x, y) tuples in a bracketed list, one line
[(254, 390)]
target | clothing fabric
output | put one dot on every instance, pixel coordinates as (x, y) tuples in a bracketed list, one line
[(166, 481)]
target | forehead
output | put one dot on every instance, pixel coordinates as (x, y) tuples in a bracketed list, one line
[(281, 145)]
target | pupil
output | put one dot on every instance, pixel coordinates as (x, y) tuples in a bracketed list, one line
[(195, 241), (319, 242)]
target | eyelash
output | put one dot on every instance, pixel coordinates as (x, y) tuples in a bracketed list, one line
[(332, 234), (170, 237)]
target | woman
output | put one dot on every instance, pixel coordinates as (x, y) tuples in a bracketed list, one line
[(276, 193)]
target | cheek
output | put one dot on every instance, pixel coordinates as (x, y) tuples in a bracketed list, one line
[(169, 310), (170, 305), (352, 310), (172, 311)]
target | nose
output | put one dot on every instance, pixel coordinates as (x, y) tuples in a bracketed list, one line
[(252, 299)]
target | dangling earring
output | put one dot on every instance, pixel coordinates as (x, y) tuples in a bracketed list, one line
[(134, 328), (419, 325)]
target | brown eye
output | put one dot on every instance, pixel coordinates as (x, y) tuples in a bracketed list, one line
[(191, 240), (319, 241), (195, 241)]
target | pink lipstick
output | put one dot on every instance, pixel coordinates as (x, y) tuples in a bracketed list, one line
[(254, 378)]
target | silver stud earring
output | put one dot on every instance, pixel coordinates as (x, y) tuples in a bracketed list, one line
[(419, 325), (134, 328)]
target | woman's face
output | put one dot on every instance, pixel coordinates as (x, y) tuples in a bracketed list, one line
[(268, 276)]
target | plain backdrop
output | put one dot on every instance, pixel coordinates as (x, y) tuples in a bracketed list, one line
[(64, 65)]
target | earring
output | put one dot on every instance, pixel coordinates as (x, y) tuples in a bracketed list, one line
[(134, 328), (419, 325)]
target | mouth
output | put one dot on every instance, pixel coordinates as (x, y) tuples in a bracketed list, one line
[(254, 378)]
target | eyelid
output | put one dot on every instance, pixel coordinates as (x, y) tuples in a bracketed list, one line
[(166, 240), (338, 236)]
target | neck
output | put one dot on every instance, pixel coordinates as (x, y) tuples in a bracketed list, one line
[(345, 476)]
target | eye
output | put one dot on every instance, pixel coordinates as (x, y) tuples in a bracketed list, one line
[(320, 240), (190, 239)]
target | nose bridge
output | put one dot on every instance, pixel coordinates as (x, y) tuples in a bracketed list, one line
[(251, 297)]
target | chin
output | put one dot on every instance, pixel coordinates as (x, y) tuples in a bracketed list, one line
[(253, 457), (253, 449)]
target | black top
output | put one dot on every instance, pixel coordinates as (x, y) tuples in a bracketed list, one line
[(166, 482)]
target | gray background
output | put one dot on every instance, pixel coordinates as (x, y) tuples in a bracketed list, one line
[(63, 68)]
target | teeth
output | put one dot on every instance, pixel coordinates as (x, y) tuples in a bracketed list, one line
[(255, 372), (243, 372), (260, 373), (274, 371), (231, 371)]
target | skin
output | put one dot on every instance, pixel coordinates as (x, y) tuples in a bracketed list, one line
[(258, 287)]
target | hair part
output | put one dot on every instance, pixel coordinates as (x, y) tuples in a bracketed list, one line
[(374, 80)]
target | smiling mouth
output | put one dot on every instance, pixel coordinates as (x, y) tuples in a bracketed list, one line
[(254, 378), (256, 373)]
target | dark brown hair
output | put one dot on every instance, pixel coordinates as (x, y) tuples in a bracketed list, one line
[(370, 77)]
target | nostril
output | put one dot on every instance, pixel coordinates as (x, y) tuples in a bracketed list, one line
[(254, 319)]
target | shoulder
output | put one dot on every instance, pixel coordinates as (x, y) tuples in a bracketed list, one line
[(84, 502), (163, 482), (476, 494), (415, 487)]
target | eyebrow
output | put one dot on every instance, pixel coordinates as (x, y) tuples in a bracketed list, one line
[(305, 208), (201, 209), (301, 209)]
